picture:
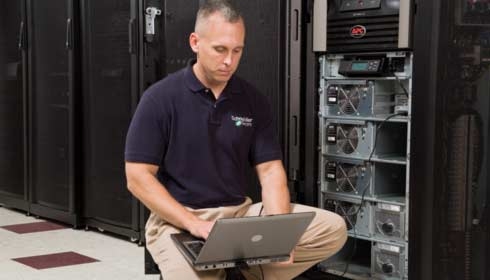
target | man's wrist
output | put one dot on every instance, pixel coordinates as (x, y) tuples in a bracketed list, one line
[(191, 222)]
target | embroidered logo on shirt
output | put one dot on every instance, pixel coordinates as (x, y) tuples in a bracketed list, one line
[(242, 121)]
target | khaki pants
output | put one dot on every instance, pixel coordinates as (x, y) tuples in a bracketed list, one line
[(324, 237)]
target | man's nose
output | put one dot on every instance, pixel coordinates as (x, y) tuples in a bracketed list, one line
[(228, 58)]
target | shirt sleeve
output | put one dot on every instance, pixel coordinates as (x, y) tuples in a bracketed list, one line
[(147, 137), (265, 145)]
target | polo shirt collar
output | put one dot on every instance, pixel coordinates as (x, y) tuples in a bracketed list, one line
[(193, 83)]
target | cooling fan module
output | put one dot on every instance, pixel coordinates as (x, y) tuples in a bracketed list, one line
[(347, 176), (347, 138), (349, 99), (352, 177), (363, 98)]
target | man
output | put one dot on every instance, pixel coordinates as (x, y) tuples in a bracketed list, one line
[(188, 145)]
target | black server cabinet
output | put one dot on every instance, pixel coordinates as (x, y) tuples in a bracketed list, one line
[(451, 215), (13, 171), (109, 96), (52, 41)]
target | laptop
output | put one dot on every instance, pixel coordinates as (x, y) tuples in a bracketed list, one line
[(244, 241)]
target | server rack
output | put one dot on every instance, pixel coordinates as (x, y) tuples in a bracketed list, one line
[(451, 73), (13, 111), (110, 91), (53, 99), (364, 131)]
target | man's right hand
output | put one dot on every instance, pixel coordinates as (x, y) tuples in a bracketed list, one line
[(144, 185), (201, 228)]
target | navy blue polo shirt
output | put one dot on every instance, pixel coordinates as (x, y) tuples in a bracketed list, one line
[(202, 145)]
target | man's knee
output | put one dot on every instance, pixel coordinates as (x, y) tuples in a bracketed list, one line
[(334, 232), (339, 232)]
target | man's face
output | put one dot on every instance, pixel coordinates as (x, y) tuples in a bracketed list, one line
[(218, 45)]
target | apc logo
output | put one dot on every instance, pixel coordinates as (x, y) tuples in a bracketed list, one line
[(358, 31)]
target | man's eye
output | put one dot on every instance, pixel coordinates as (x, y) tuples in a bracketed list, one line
[(220, 50)]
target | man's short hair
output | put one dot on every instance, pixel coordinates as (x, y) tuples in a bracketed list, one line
[(224, 7)]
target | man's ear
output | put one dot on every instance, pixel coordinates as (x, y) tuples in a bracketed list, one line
[(194, 42)]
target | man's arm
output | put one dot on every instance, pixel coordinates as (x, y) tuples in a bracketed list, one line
[(144, 185), (275, 192)]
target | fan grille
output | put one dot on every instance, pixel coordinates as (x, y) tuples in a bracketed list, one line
[(347, 176), (349, 98), (347, 138)]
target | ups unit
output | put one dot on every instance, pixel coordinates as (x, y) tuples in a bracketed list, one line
[(389, 221), (362, 259), (389, 262), (358, 178), (358, 98), (347, 177), (363, 139)]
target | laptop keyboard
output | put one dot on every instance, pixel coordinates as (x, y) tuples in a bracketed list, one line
[(194, 247)]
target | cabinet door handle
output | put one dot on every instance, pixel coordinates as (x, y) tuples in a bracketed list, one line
[(68, 42), (132, 36), (296, 24), (21, 42)]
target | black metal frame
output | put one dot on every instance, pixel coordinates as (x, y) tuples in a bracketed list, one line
[(293, 123), (424, 117), (309, 188)]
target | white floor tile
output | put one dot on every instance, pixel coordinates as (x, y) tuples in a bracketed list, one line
[(118, 258)]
